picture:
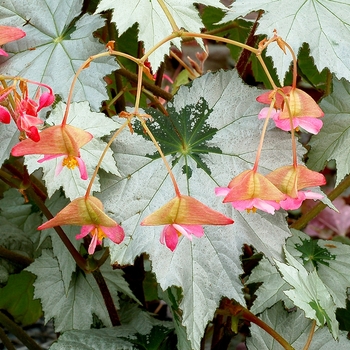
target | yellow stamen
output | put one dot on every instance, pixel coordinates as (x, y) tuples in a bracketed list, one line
[(100, 233), (70, 162), (253, 210)]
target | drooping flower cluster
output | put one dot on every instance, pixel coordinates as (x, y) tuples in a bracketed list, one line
[(290, 108), (23, 109), (88, 213)]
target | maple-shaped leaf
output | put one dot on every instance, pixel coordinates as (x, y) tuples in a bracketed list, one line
[(271, 289), (56, 44), (70, 180), (309, 293), (14, 208), (74, 309), (330, 258), (333, 139), (211, 135), (153, 23), (295, 328), (138, 329), (323, 24)]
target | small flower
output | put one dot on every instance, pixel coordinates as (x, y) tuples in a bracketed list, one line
[(303, 109), (8, 34), (250, 191), (58, 141), (88, 213), (26, 111), (27, 118), (291, 179), (184, 215)]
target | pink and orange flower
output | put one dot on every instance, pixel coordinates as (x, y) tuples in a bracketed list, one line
[(58, 141), (184, 215), (291, 180), (88, 213), (301, 107), (250, 191)]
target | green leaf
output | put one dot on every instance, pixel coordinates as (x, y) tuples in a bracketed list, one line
[(312, 252), (98, 125), (172, 296), (95, 339), (17, 299), (309, 293), (221, 136), (238, 29), (74, 309), (12, 238), (14, 208), (309, 71), (153, 340), (332, 262), (153, 31), (56, 44), (323, 24), (331, 142), (343, 317), (272, 288), (295, 328)]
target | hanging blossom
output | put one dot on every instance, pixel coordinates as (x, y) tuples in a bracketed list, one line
[(59, 141), (183, 215), (302, 108), (291, 180), (88, 213), (25, 110), (251, 191), (8, 34)]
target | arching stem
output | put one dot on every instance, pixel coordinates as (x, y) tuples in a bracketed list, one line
[(262, 137), (172, 177), (88, 190)]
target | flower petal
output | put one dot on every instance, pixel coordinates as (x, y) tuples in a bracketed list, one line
[(93, 243), (5, 116), (169, 237), (85, 230), (8, 34), (115, 234), (82, 168)]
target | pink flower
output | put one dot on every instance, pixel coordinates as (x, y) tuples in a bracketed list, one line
[(115, 234), (250, 191), (58, 141), (8, 34), (26, 112), (88, 213), (329, 223), (171, 233), (291, 180), (302, 108), (27, 118), (184, 215)]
